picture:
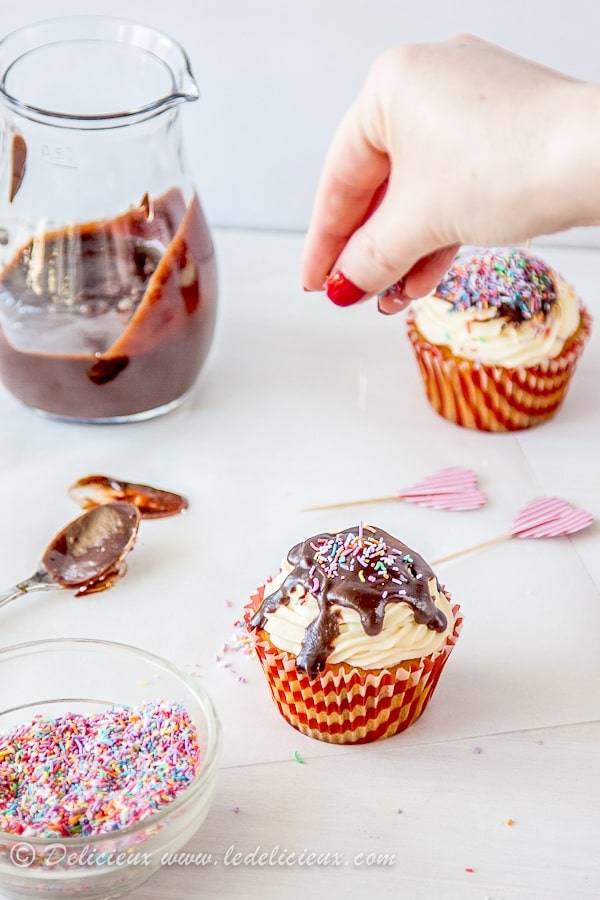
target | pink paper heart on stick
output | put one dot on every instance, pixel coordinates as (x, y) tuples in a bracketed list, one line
[(450, 489), (549, 517), (454, 489), (542, 518)]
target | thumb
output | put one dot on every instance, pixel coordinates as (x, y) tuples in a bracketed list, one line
[(422, 279), (428, 271)]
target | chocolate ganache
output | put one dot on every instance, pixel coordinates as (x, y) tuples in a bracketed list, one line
[(363, 569)]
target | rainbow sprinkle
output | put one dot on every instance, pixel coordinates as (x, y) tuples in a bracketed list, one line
[(369, 556), (520, 286), (88, 775)]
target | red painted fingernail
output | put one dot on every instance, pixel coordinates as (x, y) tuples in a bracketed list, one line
[(395, 305), (383, 312), (395, 297), (342, 291)]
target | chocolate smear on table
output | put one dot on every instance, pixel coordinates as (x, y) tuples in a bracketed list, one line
[(363, 569), (151, 502)]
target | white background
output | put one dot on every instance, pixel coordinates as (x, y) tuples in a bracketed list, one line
[(276, 76)]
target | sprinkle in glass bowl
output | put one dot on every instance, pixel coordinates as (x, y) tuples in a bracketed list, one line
[(85, 680)]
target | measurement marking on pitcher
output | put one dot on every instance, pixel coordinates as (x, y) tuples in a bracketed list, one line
[(59, 156)]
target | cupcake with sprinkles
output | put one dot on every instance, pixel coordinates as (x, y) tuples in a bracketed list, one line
[(498, 341), (353, 634)]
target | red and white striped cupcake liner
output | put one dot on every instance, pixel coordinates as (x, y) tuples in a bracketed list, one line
[(493, 398), (347, 705)]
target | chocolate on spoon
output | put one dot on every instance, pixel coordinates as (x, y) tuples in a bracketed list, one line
[(152, 503), (88, 555)]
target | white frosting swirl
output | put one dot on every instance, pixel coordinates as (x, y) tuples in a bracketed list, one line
[(400, 638), (482, 336)]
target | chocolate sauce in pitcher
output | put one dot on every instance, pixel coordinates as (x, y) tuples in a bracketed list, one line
[(110, 319)]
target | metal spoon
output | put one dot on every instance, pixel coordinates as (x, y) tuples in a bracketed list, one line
[(86, 556)]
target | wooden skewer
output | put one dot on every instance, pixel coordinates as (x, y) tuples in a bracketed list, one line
[(351, 503), (457, 553)]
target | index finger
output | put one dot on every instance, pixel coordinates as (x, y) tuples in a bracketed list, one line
[(352, 184)]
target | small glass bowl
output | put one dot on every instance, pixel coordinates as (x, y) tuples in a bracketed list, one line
[(53, 677)]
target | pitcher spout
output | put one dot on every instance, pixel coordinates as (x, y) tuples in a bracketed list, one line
[(85, 46), (189, 90)]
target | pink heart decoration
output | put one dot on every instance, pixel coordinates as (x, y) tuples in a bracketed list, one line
[(549, 517), (454, 488)]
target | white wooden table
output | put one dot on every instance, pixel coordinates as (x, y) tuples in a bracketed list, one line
[(495, 791)]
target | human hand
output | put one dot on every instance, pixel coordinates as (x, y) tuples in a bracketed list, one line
[(459, 142)]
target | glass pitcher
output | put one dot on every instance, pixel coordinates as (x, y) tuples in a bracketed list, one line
[(108, 283)]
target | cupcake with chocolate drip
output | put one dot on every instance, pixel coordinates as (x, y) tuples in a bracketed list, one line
[(353, 633), (498, 341)]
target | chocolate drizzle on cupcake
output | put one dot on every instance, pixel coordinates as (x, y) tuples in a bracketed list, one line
[(363, 569), (515, 283)]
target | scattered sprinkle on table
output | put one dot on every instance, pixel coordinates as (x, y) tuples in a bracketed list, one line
[(88, 775), (298, 758)]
